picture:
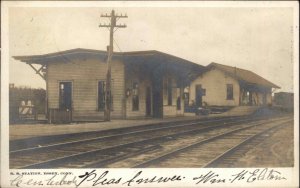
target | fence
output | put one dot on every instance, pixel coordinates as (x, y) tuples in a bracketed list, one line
[(59, 116)]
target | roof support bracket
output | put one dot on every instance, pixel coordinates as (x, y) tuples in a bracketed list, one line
[(38, 71)]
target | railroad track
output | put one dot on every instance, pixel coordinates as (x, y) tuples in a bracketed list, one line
[(27, 143), (175, 128), (35, 142), (213, 150), (102, 151), (229, 157), (71, 150)]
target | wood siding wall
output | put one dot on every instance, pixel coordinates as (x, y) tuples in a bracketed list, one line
[(132, 75), (144, 81), (214, 82), (171, 110), (84, 75)]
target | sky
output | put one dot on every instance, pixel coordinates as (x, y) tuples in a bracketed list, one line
[(257, 39)]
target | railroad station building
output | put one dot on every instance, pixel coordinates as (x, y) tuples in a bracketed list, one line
[(144, 83), (222, 85)]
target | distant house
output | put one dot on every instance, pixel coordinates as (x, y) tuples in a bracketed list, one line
[(144, 84), (221, 85)]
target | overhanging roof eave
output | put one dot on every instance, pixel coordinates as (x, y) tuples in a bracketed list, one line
[(265, 83), (257, 84)]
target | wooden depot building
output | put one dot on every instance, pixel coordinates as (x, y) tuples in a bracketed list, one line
[(144, 83), (222, 85)]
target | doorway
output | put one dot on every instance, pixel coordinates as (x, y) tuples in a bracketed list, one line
[(157, 97), (64, 113), (198, 96), (148, 101), (65, 96)]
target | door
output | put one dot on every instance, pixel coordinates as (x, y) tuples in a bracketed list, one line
[(64, 113), (148, 101), (198, 95), (157, 97), (65, 96)]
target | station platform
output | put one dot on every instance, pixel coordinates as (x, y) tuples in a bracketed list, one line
[(20, 131)]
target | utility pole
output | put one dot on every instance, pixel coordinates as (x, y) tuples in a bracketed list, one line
[(113, 24)]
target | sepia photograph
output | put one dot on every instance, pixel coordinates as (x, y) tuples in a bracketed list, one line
[(158, 87)]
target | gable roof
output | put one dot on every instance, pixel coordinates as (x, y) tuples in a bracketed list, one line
[(44, 58), (150, 58), (192, 69), (242, 75)]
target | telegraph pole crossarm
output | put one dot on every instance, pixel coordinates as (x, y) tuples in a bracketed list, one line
[(113, 24)]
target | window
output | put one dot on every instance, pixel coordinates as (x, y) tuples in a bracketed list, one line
[(135, 96), (101, 96), (169, 86), (229, 92), (65, 95)]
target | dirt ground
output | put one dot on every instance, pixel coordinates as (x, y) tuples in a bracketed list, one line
[(275, 151)]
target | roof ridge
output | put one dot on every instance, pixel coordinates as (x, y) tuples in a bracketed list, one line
[(86, 49), (223, 67), (26, 58), (230, 66)]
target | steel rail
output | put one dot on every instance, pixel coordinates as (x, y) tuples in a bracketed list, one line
[(231, 151), (193, 145), (33, 142), (81, 156), (59, 161), (117, 159), (102, 163), (72, 143)]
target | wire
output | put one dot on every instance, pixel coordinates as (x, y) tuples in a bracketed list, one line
[(116, 29), (117, 45)]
